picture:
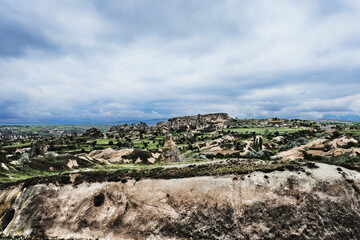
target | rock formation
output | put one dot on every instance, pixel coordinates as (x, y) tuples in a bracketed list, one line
[(170, 152), (196, 121), (109, 156), (179, 123), (142, 126), (321, 203), (93, 132), (39, 148), (128, 127)]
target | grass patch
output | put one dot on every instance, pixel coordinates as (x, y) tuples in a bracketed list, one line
[(263, 130), (28, 144), (25, 174)]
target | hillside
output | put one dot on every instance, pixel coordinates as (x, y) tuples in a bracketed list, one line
[(202, 177)]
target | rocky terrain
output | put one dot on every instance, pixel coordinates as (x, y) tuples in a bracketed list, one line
[(313, 201), (198, 121), (193, 177)]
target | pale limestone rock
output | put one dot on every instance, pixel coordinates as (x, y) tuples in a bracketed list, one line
[(170, 152)]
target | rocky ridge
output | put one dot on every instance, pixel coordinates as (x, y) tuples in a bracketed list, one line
[(186, 122), (321, 202)]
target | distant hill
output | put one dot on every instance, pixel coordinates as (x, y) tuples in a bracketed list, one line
[(148, 122)]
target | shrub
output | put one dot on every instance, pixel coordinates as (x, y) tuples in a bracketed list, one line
[(336, 134), (275, 158), (128, 144), (250, 154), (264, 154), (51, 155), (219, 155), (24, 160), (93, 143), (136, 154), (302, 141), (195, 155), (209, 155), (296, 143)]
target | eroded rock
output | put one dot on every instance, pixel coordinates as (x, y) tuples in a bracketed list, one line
[(170, 152), (321, 203)]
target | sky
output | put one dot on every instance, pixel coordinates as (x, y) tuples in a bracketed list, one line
[(104, 61)]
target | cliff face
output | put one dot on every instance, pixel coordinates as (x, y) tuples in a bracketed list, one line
[(321, 203)]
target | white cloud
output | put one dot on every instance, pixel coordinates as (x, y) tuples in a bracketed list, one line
[(248, 58)]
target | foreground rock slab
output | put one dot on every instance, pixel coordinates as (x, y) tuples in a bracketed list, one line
[(319, 203)]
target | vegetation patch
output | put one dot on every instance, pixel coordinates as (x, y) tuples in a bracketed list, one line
[(141, 155)]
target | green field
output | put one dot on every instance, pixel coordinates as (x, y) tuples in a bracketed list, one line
[(355, 132), (139, 143), (263, 130), (28, 144), (27, 173)]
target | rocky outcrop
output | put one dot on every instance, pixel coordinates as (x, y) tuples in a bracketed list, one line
[(319, 203), (170, 152), (185, 123), (342, 146), (93, 133), (109, 156), (142, 126), (128, 127), (197, 121), (39, 148)]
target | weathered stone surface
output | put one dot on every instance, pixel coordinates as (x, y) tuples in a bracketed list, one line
[(39, 148), (196, 121), (185, 123), (321, 203), (170, 152)]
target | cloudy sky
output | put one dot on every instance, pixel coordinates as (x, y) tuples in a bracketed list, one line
[(103, 61)]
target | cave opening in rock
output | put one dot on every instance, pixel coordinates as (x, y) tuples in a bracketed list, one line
[(8, 217), (99, 200)]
